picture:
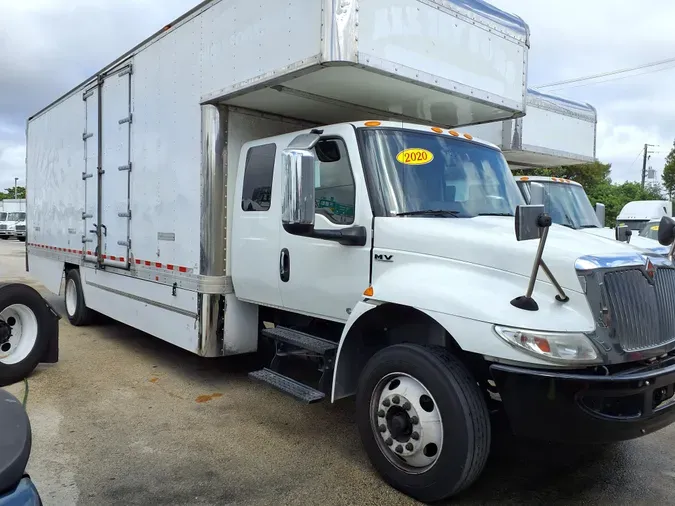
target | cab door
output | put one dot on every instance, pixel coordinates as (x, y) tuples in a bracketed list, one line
[(320, 277)]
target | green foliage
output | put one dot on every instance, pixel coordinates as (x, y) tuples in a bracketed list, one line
[(668, 176), (594, 177), (9, 193)]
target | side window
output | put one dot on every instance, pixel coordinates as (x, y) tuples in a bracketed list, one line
[(257, 192), (334, 182)]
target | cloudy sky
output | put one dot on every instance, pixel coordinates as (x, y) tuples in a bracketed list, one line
[(48, 46)]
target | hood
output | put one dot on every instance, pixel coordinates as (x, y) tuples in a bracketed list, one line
[(490, 241), (639, 243)]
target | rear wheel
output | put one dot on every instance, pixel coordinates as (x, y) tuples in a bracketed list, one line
[(78, 313), (26, 326), (423, 421)]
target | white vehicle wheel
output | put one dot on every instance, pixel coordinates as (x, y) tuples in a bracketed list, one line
[(71, 297), (27, 328), (407, 421), (423, 420), (24, 331), (76, 309)]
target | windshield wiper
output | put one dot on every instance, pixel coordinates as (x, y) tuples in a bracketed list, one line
[(494, 214), (589, 226), (431, 212)]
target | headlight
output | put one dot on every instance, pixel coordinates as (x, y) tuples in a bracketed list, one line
[(561, 347)]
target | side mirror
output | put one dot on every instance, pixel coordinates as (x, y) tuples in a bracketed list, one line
[(536, 194), (297, 205), (666, 231), (530, 222), (622, 233), (600, 213)]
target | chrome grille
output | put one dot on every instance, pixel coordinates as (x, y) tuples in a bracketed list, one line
[(3, 227), (641, 314), (21, 228)]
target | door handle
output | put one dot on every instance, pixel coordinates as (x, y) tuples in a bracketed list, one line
[(285, 265)]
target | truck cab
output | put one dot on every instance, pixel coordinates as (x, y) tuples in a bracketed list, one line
[(568, 205), (635, 215), (13, 225)]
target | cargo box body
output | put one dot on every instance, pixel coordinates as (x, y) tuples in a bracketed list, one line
[(555, 131), (129, 174)]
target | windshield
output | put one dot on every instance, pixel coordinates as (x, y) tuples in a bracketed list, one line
[(567, 204), (16, 216), (3, 216), (419, 171), (651, 230), (636, 225)]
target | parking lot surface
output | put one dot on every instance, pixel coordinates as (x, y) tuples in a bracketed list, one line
[(124, 418)]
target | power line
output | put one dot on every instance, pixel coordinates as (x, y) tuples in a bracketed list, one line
[(651, 71), (609, 73)]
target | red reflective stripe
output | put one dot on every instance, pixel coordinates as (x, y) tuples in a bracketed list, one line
[(169, 266), (158, 264), (138, 261), (147, 262), (182, 269)]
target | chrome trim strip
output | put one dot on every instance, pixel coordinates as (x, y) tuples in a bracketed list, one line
[(160, 305), (186, 281), (619, 260)]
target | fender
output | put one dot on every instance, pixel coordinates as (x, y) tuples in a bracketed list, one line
[(465, 300)]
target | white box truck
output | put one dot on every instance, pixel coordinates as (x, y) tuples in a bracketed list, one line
[(636, 214), (13, 219), (555, 131), (296, 174)]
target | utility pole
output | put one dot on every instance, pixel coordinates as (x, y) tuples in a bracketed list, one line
[(15, 180), (645, 157)]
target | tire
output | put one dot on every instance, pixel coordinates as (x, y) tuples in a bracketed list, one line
[(32, 324), (78, 313), (453, 398), (21, 239), (5, 237)]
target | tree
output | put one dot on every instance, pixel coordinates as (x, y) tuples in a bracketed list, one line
[(9, 193), (588, 175), (668, 176)]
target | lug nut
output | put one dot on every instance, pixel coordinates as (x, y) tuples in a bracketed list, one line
[(389, 441), (414, 420), (399, 449), (406, 406), (396, 399), (382, 428), (415, 435), (380, 413), (409, 447), (386, 403)]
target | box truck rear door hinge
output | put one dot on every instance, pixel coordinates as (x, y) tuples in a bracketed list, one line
[(126, 120), (124, 167), (86, 136), (125, 215), (123, 243), (86, 215), (86, 175), (86, 239), (124, 72)]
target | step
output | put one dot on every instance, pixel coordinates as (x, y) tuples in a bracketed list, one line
[(300, 339), (287, 385)]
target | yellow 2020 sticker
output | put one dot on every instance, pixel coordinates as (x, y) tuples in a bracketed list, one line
[(414, 156), (655, 227)]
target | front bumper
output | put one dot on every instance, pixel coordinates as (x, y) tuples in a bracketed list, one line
[(19, 233), (5, 233), (585, 408)]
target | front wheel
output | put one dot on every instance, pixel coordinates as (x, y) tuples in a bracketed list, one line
[(26, 327), (423, 421)]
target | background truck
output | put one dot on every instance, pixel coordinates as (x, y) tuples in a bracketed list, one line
[(12, 214), (635, 215), (344, 218), (568, 205)]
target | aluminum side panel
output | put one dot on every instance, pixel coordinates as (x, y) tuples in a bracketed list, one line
[(437, 40), (54, 166)]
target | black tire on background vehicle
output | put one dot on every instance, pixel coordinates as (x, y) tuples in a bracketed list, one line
[(5, 237), (411, 398), (26, 327), (22, 239), (78, 313)]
